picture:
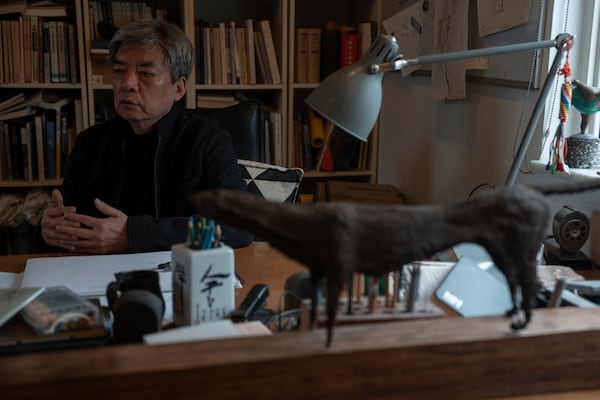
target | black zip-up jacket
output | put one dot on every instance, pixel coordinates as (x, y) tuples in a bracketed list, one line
[(192, 155)]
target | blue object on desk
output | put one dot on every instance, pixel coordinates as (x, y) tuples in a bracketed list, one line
[(471, 291)]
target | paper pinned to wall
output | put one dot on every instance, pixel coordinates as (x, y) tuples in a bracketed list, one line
[(413, 29), (500, 15), (515, 69), (431, 27)]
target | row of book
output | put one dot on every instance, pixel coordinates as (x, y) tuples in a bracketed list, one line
[(107, 16), (230, 53), (320, 52), (326, 149), (38, 50), (37, 134)]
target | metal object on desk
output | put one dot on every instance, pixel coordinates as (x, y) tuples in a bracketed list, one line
[(571, 229)]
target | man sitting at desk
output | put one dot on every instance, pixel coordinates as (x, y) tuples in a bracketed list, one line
[(128, 179)]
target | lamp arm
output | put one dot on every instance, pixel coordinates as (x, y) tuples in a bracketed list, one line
[(561, 43)]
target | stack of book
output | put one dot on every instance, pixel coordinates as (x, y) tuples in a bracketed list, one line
[(215, 100), (36, 134)]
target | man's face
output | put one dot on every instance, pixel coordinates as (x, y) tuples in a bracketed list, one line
[(143, 91)]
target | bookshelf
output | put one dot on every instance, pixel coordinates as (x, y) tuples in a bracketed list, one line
[(283, 96), (46, 66), (327, 24), (221, 18), (278, 90)]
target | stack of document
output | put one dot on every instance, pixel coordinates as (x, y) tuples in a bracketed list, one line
[(88, 276)]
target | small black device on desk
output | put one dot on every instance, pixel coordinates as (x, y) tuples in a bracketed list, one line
[(252, 304)]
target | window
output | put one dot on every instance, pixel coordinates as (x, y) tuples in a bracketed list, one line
[(582, 19)]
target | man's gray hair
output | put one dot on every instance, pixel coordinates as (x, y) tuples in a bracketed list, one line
[(177, 48)]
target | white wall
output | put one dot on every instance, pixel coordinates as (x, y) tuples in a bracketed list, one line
[(439, 152)]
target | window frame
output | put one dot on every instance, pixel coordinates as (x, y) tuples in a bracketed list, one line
[(583, 21)]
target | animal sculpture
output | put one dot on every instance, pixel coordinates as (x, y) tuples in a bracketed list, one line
[(586, 99), (336, 239)]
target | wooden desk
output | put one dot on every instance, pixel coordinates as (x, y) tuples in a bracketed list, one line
[(557, 354), (257, 263)]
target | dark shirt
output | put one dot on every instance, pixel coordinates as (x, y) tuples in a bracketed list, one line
[(191, 155), (137, 192)]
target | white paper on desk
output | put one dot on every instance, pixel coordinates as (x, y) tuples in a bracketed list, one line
[(223, 329), (89, 275), (10, 279)]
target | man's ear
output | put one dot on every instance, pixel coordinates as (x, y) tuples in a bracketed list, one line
[(180, 87)]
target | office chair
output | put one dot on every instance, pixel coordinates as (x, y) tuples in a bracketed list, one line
[(245, 122)]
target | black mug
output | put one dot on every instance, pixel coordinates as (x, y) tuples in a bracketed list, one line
[(137, 304)]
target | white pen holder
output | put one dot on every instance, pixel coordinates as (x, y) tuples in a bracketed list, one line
[(203, 284)]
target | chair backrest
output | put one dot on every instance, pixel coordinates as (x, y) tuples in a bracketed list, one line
[(245, 122), (272, 182)]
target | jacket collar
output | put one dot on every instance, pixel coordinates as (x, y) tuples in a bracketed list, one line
[(165, 124)]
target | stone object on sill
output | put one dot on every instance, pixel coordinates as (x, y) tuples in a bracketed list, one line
[(583, 151)]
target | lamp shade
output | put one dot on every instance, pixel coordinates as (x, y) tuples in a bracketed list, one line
[(351, 96)]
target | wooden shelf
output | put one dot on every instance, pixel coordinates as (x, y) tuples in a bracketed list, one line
[(23, 184)]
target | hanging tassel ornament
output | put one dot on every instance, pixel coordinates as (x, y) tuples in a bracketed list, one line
[(559, 148)]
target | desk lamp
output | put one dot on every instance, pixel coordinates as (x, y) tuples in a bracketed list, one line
[(351, 96)]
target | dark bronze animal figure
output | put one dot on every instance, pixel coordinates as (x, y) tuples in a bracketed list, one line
[(335, 239)]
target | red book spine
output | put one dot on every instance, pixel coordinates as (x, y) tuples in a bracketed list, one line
[(349, 48), (327, 164)]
